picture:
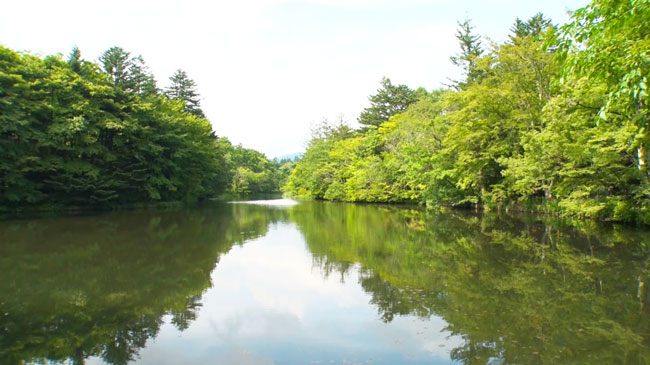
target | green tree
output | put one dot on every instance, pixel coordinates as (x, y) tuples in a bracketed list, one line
[(581, 166), (488, 118), (536, 26), (77, 139), (389, 100), (22, 124), (184, 89), (126, 72), (141, 80), (254, 173), (553, 121), (470, 51), (74, 60), (609, 40), (414, 157), (116, 63), (321, 168)]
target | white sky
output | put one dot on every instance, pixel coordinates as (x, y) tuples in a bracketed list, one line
[(267, 70)]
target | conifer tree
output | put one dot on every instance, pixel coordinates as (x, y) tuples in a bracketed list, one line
[(128, 73), (116, 61), (183, 88), (389, 100), (534, 27), (74, 60), (470, 51)]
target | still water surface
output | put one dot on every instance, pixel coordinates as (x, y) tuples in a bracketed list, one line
[(273, 282)]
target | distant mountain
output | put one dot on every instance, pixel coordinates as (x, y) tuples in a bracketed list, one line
[(289, 157)]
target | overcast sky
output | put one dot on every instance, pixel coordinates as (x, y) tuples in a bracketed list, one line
[(267, 70)]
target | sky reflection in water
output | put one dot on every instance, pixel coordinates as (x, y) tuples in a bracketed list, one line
[(286, 283), (270, 304)]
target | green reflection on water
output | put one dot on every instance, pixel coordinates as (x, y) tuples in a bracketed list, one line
[(517, 289), (99, 285)]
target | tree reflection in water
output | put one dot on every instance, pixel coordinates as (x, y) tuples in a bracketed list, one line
[(517, 289), (100, 285)]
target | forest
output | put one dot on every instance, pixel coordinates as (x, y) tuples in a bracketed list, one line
[(75, 133), (552, 120)]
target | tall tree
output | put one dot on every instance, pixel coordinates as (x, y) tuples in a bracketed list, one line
[(536, 26), (74, 60), (470, 51), (126, 72), (610, 40), (183, 88), (140, 80), (389, 100), (116, 62), (487, 119)]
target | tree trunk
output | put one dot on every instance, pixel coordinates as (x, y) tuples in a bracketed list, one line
[(548, 194), (643, 164), (643, 167)]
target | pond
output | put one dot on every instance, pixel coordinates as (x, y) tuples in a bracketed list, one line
[(315, 282)]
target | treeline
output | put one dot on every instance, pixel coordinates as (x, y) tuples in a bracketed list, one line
[(253, 173), (554, 119), (78, 133)]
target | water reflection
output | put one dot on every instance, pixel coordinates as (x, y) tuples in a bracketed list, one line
[(245, 283), (76, 287), (517, 290), (270, 304)]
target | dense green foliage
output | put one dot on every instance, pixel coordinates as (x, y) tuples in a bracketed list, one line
[(254, 173), (74, 133), (553, 119)]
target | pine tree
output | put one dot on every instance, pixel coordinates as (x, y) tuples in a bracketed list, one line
[(140, 80), (128, 73), (470, 51), (536, 26), (74, 60), (116, 62), (389, 100), (183, 88)]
